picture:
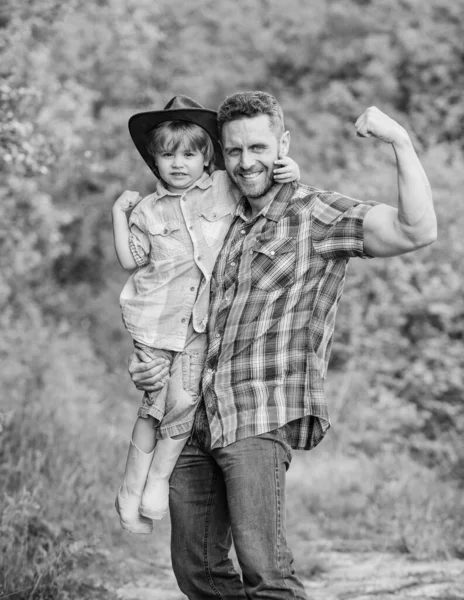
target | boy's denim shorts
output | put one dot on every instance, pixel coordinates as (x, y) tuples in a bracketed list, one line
[(173, 407)]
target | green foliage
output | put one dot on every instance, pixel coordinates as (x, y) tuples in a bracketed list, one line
[(56, 494), (71, 75)]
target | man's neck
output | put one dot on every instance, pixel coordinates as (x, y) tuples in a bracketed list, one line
[(256, 205)]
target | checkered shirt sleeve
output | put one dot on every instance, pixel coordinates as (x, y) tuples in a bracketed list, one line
[(337, 226)]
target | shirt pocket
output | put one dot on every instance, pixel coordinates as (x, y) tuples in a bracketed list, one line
[(215, 223), (273, 264), (167, 239)]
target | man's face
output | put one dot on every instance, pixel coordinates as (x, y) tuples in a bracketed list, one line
[(250, 149)]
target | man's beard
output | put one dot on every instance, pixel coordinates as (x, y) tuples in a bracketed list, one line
[(254, 189)]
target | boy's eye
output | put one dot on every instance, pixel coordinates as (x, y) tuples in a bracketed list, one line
[(166, 154)]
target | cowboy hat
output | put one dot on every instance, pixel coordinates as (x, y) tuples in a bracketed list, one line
[(179, 108)]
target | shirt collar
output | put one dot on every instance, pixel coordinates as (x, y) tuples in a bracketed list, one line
[(203, 183), (277, 199)]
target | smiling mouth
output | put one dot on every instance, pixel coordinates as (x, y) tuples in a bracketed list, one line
[(251, 176)]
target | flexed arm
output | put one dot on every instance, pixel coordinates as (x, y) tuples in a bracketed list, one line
[(126, 201), (389, 231)]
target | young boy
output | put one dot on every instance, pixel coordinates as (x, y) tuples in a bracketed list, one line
[(172, 239)]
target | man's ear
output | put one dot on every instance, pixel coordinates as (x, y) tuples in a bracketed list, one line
[(284, 143)]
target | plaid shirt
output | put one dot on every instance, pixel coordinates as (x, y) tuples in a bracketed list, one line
[(274, 295)]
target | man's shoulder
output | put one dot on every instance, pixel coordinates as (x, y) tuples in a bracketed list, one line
[(305, 196), (309, 197)]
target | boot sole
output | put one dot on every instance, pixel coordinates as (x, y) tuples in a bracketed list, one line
[(152, 514)]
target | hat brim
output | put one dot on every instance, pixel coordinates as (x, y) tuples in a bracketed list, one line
[(141, 124)]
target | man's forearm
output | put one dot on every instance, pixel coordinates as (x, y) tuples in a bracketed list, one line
[(416, 215)]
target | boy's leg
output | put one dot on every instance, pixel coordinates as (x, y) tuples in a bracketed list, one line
[(181, 401), (183, 387), (254, 471), (144, 435), (138, 463), (140, 455), (201, 537), (155, 499)]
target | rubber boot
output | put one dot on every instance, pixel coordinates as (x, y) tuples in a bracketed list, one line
[(155, 499), (130, 493)]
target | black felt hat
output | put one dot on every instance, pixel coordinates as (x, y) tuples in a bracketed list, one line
[(179, 108)]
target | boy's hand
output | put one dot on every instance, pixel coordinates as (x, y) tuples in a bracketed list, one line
[(286, 170), (126, 201)]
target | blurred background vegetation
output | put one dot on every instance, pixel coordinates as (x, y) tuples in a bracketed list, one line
[(391, 472)]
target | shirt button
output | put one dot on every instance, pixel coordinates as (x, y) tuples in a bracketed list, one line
[(183, 320), (251, 251), (192, 289), (165, 230), (243, 232), (198, 257), (218, 335), (272, 252), (232, 264)]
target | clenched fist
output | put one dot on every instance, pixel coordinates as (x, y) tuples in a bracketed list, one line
[(374, 123), (127, 200)]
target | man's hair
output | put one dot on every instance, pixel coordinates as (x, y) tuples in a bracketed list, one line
[(169, 135), (251, 104)]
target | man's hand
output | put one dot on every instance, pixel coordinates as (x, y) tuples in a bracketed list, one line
[(147, 374), (126, 201), (374, 123)]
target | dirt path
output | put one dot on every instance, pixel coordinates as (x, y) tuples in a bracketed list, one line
[(367, 575), (347, 575), (139, 568)]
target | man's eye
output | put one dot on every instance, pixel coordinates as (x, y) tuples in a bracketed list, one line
[(258, 149), (233, 152)]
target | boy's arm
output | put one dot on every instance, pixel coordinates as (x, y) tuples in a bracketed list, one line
[(126, 201), (286, 170)]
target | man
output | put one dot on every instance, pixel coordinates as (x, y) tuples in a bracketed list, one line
[(274, 295)]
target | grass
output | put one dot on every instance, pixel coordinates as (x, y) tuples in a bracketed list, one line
[(61, 457), (374, 496), (65, 426)]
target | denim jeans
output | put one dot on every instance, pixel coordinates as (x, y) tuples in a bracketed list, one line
[(233, 492)]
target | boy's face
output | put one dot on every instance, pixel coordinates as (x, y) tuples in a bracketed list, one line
[(180, 168)]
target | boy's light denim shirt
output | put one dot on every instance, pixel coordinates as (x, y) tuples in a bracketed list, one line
[(175, 239)]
